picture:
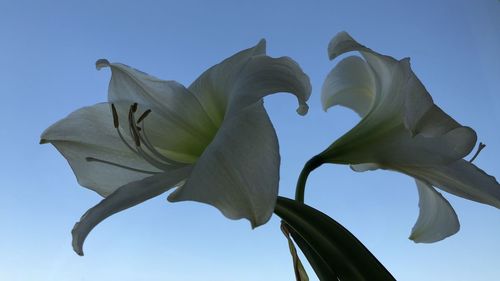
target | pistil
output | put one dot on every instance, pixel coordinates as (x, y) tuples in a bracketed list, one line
[(479, 148), (92, 159)]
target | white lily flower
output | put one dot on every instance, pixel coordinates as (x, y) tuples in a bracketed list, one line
[(403, 130), (213, 140)]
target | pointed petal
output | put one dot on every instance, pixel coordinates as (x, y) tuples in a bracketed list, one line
[(393, 146), (123, 198), (263, 76), (435, 123), (463, 179), (436, 220), (88, 133), (175, 110), (399, 148), (350, 84), (422, 116), (239, 171), (214, 86), (427, 120)]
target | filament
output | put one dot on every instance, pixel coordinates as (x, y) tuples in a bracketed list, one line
[(92, 159)]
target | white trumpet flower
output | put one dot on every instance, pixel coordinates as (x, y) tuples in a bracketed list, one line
[(403, 130), (213, 140)]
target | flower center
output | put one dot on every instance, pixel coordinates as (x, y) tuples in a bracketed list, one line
[(141, 145)]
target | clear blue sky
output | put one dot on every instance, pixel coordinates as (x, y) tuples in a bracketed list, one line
[(47, 55)]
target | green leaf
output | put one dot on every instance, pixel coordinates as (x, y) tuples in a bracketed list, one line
[(333, 252), (300, 272), (322, 269)]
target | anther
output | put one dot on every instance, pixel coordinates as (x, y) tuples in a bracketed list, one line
[(479, 148), (144, 115), (133, 107), (115, 116)]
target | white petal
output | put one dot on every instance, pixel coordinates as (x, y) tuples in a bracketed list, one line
[(214, 86), (239, 172), (263, 76), (417, 103), (422, 116), (386, 110), (463, 179), (399, 90), (123, 198), (435, 123), (390, 77), (426, 119), (436, 220), (350, 84), (399, 148), (89, 132), (393, 146), (382, 136), (175, 111)]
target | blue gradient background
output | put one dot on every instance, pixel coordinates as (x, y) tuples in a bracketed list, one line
[(47, 55)]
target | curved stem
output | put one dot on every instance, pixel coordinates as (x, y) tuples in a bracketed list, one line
[(310, 165)]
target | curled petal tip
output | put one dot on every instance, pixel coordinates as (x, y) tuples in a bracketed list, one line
[(77, 241), (336, 44), (413, 238), (303, 109), (100, 63), (342, 43)]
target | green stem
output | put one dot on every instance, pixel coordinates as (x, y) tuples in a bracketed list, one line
[(310, 165)]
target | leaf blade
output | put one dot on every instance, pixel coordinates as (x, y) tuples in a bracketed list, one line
[(336, 249)]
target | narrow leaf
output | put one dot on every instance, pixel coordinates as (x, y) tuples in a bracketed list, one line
[(330, 247), (323, 270), (300, 272)]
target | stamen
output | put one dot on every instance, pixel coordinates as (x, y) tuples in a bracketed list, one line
[(137, 139), (92, 159), (134, 107), (124, 141), (115, 116), (479, 148), (144, 115), (158, 164), (133, 130), (151, 148), (141, 153)]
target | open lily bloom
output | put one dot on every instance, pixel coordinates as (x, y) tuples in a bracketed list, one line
[(213, 140), (403, 130)]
